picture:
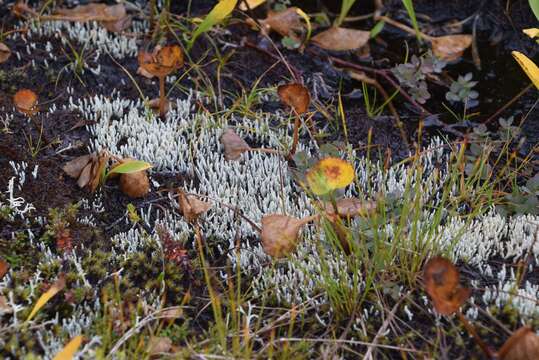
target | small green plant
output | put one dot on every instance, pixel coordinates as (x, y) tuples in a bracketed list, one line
[(346, 5), (462, 91), (409, 6)]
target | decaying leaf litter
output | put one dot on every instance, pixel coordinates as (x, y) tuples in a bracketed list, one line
[(127, 197)]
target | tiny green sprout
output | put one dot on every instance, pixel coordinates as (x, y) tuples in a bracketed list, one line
[(132, 213)]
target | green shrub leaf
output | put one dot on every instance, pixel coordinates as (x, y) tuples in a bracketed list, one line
[(215, 16), (130, 166)]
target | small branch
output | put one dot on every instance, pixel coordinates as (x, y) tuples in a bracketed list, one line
[(473, 332), (508, 104)]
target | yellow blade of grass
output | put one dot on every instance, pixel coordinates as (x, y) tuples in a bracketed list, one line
[(70, 349), (215, 16), (43, 299), (528, 66)]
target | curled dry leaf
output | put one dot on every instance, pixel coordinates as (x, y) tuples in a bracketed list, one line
[(87, 169), (191, 206), (280, 234), (135, 184), (442, 284), (522, 345), (25, 101), (296, 96), (341, 39), (5, 53), (92, 12), (4, 268), (450, 47), (329, 174), (162, 61), (118, 25), (233, 144), (286, 23), (349, 207)]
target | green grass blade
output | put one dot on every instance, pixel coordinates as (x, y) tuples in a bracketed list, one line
[(215, 16), (409, 5), (534, 4)]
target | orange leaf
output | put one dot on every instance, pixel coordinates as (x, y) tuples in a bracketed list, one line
[(162, 61), (329, 174), (296, 96), (522, 345), (450, 47), (442, 284), (280, 234), (25, 101), (341, 39)]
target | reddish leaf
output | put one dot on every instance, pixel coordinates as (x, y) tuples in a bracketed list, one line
[(5, 53), (191, 206), (442, 284), (25, 101), (162, 61), (522, 345), (280, 234), (296, 96), (4, 268), (234, 145)]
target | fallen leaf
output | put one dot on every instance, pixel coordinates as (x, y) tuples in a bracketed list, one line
[(146, 74), (450, 47), (4, 306), (286, 23), (296, 96), (74, 167), (233, 144), (442, 284), (5, 53), (349, 207), (25, 101), (191, 206), (98, 169), (522, 345), (528, 66), (70, 349), (4, 268), (118, 25), (280, 234), (329, 174), (251, 3), (92, 12), (47, 295), (154, 104), (159, 344), (341, 39), (162, 61)]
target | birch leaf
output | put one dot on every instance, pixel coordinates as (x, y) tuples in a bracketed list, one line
[(49, 294), (216, 15), (70, 349), (528, 66)]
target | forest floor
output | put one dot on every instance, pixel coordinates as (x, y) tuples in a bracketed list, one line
[(135, 277)]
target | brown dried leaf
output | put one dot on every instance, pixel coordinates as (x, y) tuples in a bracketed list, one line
[(280, 234), (349, 207), (234, 145), (4, 268), (74, 167), (5, 53), (191, 206), (98, 167), (522, 345), (118, 25), (450, 47), (296, 96), (286, 23), (159, 344), (25, 101), (92, 12), (155, 103), (4, 307), (442, 284), (162, 61), (85, 175), (135, 184), (341, 39)]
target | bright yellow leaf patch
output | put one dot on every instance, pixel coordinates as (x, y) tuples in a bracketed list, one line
[(329, 174), (528, 66)]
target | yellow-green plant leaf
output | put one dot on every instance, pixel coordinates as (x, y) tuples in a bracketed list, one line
[(528, 66), (308, 22), (43, 299), (534, 4), (70, 349), (215, 16), (130, 166), (531, 32)]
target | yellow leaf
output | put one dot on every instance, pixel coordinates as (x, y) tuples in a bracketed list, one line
[(252, 4), (43, 299), (215, 16), (70, 349), (532, 32), (329, 174), (528, 66)]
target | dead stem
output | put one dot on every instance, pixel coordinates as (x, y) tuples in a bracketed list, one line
[(473, 332), (162, 96)]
